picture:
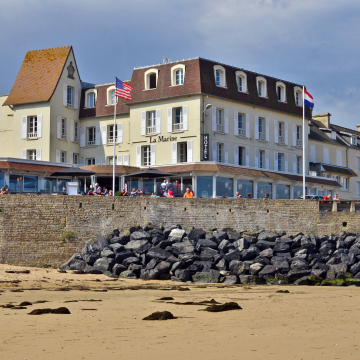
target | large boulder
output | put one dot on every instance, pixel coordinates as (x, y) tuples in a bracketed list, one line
[(120, 257), (220, 235), (131, 260), (237, 267), (231, 280), (255, 268), (196, 234), (116, 248), (208, 254), (233, 255), (295, 274), (183, 275), (281, 248), (184, 247), (138, 246), (163, 267), (118, 269), (122, 239), (212, 276), (128, 274), (75, 259), (107, 253), (263, 244), (267, 235), (140, 235), (104, 264), (177, 235), (206, 243), (251, 280), (91, 257), (90, 270), (354, 269), (241, 244), (251, 253), (225, 245), (268, 270), (158, 253)]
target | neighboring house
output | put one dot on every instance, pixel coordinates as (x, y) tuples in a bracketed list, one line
[(253, 125)]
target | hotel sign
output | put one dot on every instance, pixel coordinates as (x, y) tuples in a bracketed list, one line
[(206, 147)]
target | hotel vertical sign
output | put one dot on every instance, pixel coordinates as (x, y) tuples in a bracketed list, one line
[(206, 147)]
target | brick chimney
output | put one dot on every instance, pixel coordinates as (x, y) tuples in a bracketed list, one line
[(324, 118)]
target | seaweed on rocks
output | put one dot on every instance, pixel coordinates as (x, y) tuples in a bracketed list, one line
[(225, 307), (160, 315)]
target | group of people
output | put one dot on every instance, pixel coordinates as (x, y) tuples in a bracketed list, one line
[(98, 191), (249, 196)]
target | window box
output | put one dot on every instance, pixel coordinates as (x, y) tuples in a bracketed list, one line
[(32, 135), (262, 136), (242, 132), (298, 143), (281, 140), (178, 127), (220, 128)]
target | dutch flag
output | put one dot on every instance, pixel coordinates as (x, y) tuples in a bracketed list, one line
[(308, 99)]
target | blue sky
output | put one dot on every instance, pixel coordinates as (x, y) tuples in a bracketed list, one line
[(308, 42)]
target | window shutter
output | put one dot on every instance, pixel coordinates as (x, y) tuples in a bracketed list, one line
[(286, 163), (174, 152), (275, 160), (72, 130), (226, 113), (256, 128), (65, 94), (38, 154), (247, 156), (138, 156), (256, 158), (57, 156), (153, 150), (82, 161), (120, 128), (158, 121), (286, 134), (71, 160), (103, 160), (294, 134), (23, 127), (247, 116), (236, 155), (119, 160), (267, 160), (267, 124), (214, 151), (213, 118), (190, 151), (312, 153), (126, 160), (39, 126), (143, 123), (97, 136), (23, 154), (236, 125), (76, 103), (169, 120), (326, 155), (97, 160), (294, 165), (185, 110), (276, 131), (58, 127), (339, 158), (226, 153), (82, 136), (103, 134)]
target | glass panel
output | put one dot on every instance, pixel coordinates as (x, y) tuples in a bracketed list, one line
[(175, 185), (244, 187), (16, 182), (148, 186), (60, 185), (47, 185), (312, 191), (134, 183), (264, 188), (321, 192), (329, 192), (2, 181), (282, 191), (224, 187), (205, 186), (30, 183), (187, 183), (298, 192)]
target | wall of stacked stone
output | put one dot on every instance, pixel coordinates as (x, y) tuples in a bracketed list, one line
[(32, 227)]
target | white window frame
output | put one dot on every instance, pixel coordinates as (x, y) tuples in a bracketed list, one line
[(298, 164), (90, 161), (261, 159), (280, 85), (63, 129), (177, 126), (151, 122), (31, 154), (221, 72), (110, 133), (76, 131), (280, 162), (345, 183), (110, 160), (263, 87), (353, 140), (281, 133), (32, 127), (87, 95), (261, 126), (70, 96), (88, 141), (241, 75), (110, 101), (63, 157), (242, 122), (220, 120), (298, 90), (174, 70), (146, 155), (182, 151), (298, 136), (242, 156), (147, 78), (220, 148)]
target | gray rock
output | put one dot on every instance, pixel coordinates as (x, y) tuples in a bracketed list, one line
[(184, 247), (340, 269), (131, 260), (120, 257), (268, 253), (263, 244), (91, 257), (233, 255), (116, 248), (349, 240), (139, 235), (107, 253), (231, 279), (255, 268), (268, 235), (104, 264), (220, 235), (163, 267), (149, 274), (237, 267), (138, 246), (66, 265), (157, 239), (299, 264), (319, 273), (225, 245), (77, 264), (176, 266), (177, 235), (295, 274), (282, 266), (305, 241), (281, 248), (233, 235), (90, 270), (302, 281), (208, 254), (183, 275), (206, 243), (241, 244), (354, 269), (268, 270), (122, 239), (158, 253), (251, 280), (128, 274), (205, 266), (196, 234), (118, 269), (102, 242), (221, 265), (251, 253), (262, 260), (213, 276)]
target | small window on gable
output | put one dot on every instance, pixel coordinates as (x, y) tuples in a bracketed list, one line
[(241, 81), (110, 95), (281, 91), (220, 76), (353, 140), (177, 75), (298, 96), (151, 79), (261, 86), (90, 98)]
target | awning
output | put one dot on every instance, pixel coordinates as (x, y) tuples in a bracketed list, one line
[(338, 170), (151, 173), (73, 171)]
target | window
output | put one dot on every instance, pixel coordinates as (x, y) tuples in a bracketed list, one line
[(224, 186), (63, 156), (91, 100), (241, 126), (298, 95), (358, 189), (264, 188), (243, 187), (297, 98), (32, 154), (90, 161), (262, 135), (345, 183), (241, 81), (219, 73), (298, 136), (63, 129), (280, 162), (70, 92), (91, 136), (335, 177), (180, 77), (204, 186), (110, 160), (182, 150), (327, 176), (219, 120), (76, 131), (220, 152), (281, 91), (353, 140), (321, 192), (282, 191), (298, 164), (151, 122), (281, 139), (177, 119), (112, 97), (112, 136), (76, 159), (261, 86), (151, 78), (241, 155), (152, 81), (32, 120), (146, 156), (261, 159)]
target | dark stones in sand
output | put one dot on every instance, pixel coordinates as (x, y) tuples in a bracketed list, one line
[(79, 272), (183, 289), (16, 290), (17, 271), (160, 315), (60, 310), (166, 298), (25, 303), (225, 307), (283, 291)]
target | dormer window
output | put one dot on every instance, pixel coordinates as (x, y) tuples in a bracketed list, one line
[(298, 96), (90, 98), (353, 140), (219, 73), (261, 86), (151, 79), (177, 75), (241, 81), (281, 91), (110, 95)]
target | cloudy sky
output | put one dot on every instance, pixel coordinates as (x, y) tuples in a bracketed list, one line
[(315, 43)]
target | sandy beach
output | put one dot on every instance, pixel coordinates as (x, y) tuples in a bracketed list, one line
[(306, 323)]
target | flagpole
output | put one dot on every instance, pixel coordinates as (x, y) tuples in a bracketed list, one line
[(303, 131), (114, 137)]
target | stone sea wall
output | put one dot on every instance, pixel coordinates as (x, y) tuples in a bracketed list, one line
[(47, 230)]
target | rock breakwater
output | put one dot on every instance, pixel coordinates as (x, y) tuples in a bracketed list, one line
[(223, 256)]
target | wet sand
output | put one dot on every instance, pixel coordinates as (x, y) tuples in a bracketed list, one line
[(307, 323)]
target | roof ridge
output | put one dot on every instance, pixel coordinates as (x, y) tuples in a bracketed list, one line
[(54, 48)]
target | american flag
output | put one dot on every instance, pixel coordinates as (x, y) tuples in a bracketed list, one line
[(122, 90)]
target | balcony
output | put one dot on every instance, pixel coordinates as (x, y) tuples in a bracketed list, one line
[(76, 139), (242, 132), (281, 140), (151, 130), (262, 136), (298, 143), (219, 128), (63, 136), (90, 143), (32, 135), (178, 127)]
